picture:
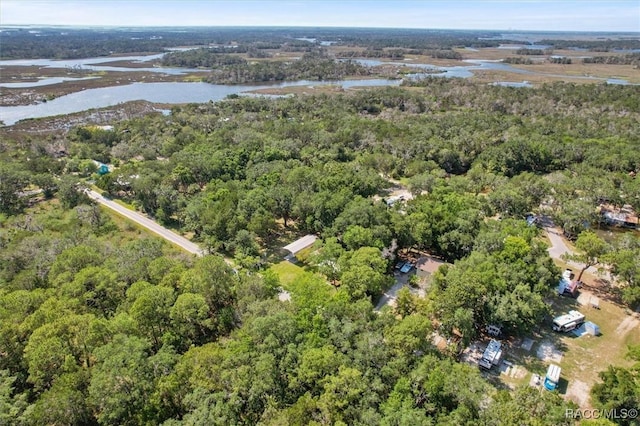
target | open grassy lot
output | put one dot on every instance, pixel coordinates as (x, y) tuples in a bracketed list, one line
[(288, 272), (311, 288), (581, 358)]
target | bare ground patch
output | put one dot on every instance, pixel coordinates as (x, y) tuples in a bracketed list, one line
[(547, 352), (578, 391), (628, 324)]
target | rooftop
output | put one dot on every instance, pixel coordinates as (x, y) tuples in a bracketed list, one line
[(429, 264), (301, 243)]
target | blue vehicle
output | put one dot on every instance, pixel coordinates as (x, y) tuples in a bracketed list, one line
[(552, 377), (406, 268)]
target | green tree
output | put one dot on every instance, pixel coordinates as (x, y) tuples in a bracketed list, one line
[(399, 409), (12, 181), (364, 272), (69, 192), (527, 406), (190, 319), (620, 387), (592, 251), (214, 280), (71, 261), (61, 346), (405, 302), (410, 336), (623, 259), (12, 404), (342, 391), (98, 288), (356, 237), (326, 259), (316, 366), (64, 403), (151, 311), (121, 381)]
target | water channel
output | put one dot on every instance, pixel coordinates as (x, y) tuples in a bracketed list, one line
[(168, 93), (177, 93)]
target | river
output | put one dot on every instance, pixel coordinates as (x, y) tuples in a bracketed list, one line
[(169, 93), (177, 93)]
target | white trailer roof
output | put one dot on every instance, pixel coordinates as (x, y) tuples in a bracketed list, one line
[(492, 351), (567, 318), (553, 373), (301, 243)]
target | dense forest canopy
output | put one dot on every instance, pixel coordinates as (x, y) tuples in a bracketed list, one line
[(103, 329)]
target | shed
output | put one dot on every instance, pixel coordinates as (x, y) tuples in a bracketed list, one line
[(298, 245), (592, 328)]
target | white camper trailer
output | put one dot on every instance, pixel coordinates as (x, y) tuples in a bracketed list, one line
[(491, 355), (568, 322)]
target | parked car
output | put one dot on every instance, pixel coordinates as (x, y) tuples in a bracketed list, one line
[(406, 268)]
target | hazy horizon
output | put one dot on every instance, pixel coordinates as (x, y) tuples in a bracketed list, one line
[(515, 30), (539, 16)]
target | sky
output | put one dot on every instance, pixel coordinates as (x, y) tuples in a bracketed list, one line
[(541, 15)]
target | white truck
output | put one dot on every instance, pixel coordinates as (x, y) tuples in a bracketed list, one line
[(491, 355), (568, 322)]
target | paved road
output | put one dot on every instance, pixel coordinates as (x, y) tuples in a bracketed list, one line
[(147, 223), (559, 247)]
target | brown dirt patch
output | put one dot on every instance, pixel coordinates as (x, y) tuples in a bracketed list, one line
[(578, 392), (628, 324)]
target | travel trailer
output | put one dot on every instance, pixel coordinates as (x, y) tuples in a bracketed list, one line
[(568, 322), (491, 355)]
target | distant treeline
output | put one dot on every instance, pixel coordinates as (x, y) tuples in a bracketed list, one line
[(533, 52), (309, 67), (517, 61), (400, 53), (594, 45), (70, 43), (560, 60), (203, 57), (230, 69), (376, 53), (631, 59)]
